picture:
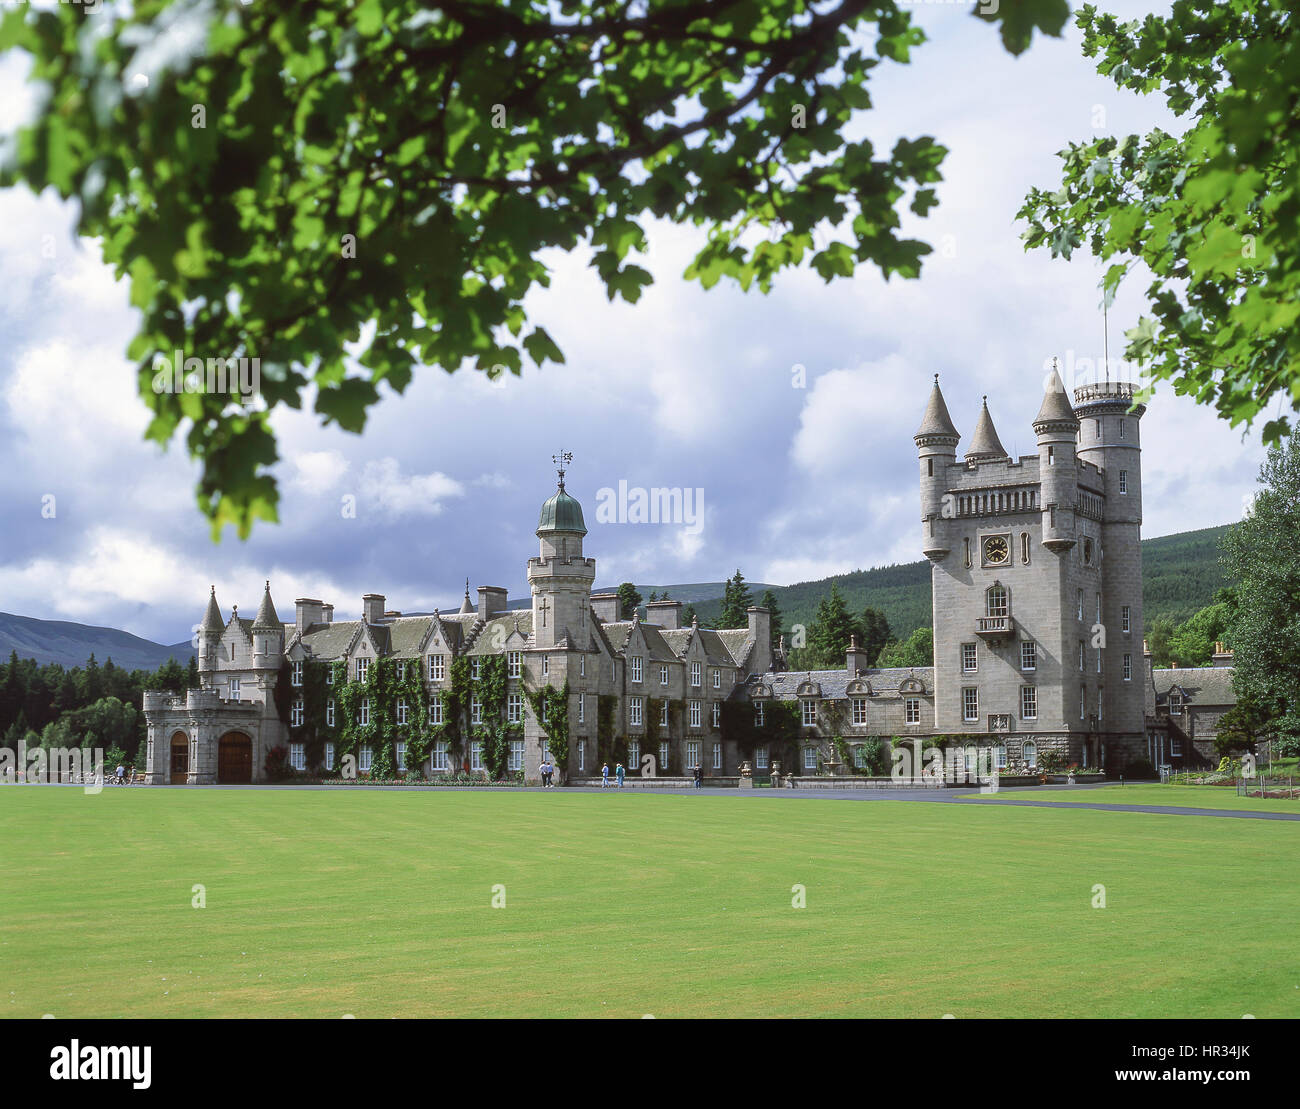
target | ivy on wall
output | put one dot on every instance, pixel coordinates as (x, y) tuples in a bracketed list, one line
[(551, 708)]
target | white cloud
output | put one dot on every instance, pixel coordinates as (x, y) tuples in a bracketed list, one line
[(384, 486), (318, 472)]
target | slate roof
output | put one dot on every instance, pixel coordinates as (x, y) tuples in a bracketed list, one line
[(212, 620), (834, 683), (1203, 685), (936, 420), (266, 617), (523, 617), (329, 641), (1056, 405), (985, 442)]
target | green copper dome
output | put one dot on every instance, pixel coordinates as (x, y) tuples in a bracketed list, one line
[(561, 513)]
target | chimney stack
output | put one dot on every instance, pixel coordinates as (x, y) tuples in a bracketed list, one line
[(667, 614), (1222, 655), (760, 631), (856, 659), (309, 611), (372, 608), (606, 607), (491, 601)]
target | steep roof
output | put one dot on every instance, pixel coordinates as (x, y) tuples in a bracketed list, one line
[(1056, 405), (266, 617), (985, 443), (1202, 685), (506, 622), (936, 420), (212, 621)]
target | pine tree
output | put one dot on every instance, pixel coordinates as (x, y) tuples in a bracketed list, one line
[(689, 616), (873, 634), (769, 602), (629, 600), (736, 600), (831, 630)]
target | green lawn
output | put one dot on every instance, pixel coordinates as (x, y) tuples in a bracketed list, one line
[(321, 903), (1189, 797)]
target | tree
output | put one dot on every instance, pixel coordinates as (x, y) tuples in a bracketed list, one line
[(302, 171), (736, 600), (917, 650), (1210, 214), (829, 633), (1192, 642), (1159, 640), (873, 633), (1264, 550), (768, 601), (1242, 726), (689, 616), (629, 600)]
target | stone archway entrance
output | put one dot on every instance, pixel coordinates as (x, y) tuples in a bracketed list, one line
[(180, 758), (235, 759)]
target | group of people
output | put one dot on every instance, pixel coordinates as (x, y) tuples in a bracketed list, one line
[(548, 774), (619, 773)]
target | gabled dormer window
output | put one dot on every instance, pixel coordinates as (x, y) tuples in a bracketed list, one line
[(295, 673), (363, 665)]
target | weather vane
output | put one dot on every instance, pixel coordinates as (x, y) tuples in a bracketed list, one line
[(561, 460)]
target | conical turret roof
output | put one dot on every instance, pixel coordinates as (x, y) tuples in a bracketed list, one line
[(266, 617), (985, 442), (212, 621), (1056, 405), (936, 420), (465, 606)]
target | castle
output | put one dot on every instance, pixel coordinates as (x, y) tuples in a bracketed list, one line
[(1037, 607)]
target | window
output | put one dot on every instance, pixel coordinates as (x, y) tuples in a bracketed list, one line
[(514, 663), (1051, 456), (365, 759), (329, 675), (695, 674), (1098, 608), (516, 755), (1028, 655), (1083, 696), (1121, 429), (859, 710), (329, 756), (1082, 665), (1051, 515), (582, 709), (329, 712), (401, 671), (995, 600), (1128, 668), (582, 755), (435, 710), (759, 715), (582, 666), (634, 711), (663, 674), (298, 756), (810, 758), (1100, 693), (636, 668), (296, 714), (1000, 756), (663, 714), (693, 754), (437, 667), (663, 756), (859, 757), (929, 467), (912, 710), (546, 712), (365, 712), (363, 665), (476, 755), (760, 757), (809, 713), (401, 712), (1030, 751), (970, 704), (1098, 660), (966, 547), (1080, 604), (295, 673), (1123, 481), (1024, 547), (234, 689), (1175, 704), (633, 753), (438, 756), (717, 714), (1175, 747), (1125, 622), (546, 666), (717, 756), (401, 755), (476, 710), (1029, 702), (476, 669), (717, 678), (969, 661), (1097, 423), (515, 708), (695, 714)]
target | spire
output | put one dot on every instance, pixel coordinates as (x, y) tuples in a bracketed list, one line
[(212, 621), (465, 606), (1056, 405), (984, 443), (561, 460), (266, 617), (936, 421)]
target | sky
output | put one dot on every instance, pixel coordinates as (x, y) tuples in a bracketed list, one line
[(790, 416)]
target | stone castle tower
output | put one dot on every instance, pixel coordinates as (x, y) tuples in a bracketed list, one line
[(1037, 577), (561, 577)]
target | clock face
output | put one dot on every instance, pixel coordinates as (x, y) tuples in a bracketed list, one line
[(995, 550)]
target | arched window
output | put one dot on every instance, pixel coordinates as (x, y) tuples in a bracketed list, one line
[(995, 600), (966, 541), (1030, 750), (1024, 547)]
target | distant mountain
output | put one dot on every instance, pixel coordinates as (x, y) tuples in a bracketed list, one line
[(1180, 575), (72, 644)]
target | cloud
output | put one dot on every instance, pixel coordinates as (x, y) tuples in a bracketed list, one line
[(384, 486)]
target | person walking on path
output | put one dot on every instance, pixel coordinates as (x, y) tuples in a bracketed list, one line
[(699, 774), (604, 776), (619, 772)]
